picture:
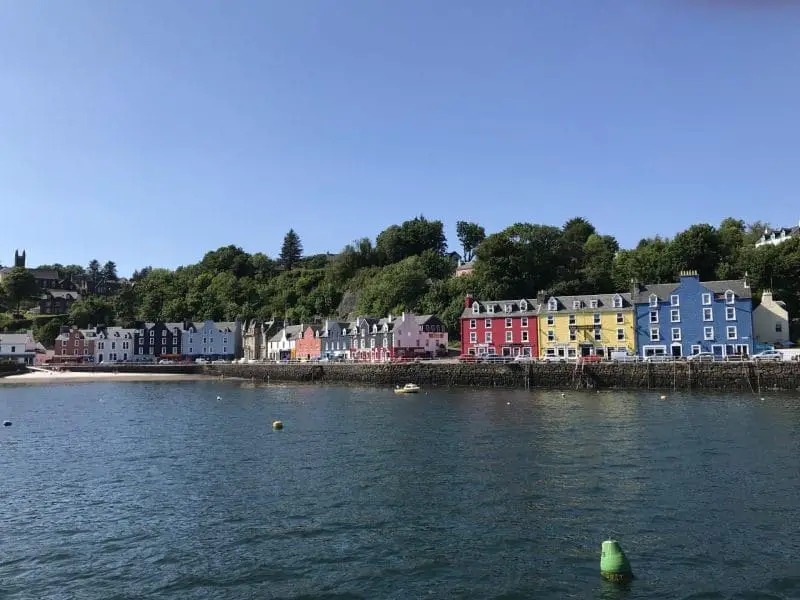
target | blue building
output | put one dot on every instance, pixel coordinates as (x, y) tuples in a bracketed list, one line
[(679, 319)]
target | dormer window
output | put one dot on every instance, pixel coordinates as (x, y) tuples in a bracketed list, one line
[(476, 308), (653, 300), (593, 303), (730, 297), (523, 305), (374, 329), (490, 308), (576, 304), (507, 308), (617, 301), (552, 304)]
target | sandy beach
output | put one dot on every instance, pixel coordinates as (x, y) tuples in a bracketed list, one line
[(71, 377)]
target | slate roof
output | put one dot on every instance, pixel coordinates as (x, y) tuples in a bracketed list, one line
[(665, 290), (110, 332), (16, 338), (291, 330), (605, 303), (37, 273), (499, 311), (61, 294)]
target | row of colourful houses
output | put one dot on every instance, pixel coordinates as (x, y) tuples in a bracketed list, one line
[(674, 319), (370, 339), (149, 341)]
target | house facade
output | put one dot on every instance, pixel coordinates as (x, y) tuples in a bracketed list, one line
[(417, 336), (770, 321), (255, 338), (694, 316), (309, 345), (74, 345), (586, 325), (19, 348), (57, 302), (773, 237), (158, 340), (372, 339), (281, 346), (335, 341), (114, 344), (211, 340), (499, 327)]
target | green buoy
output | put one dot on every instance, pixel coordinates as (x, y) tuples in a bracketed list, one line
[(614, 565)]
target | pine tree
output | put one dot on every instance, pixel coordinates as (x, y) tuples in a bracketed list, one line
[(291, 251)]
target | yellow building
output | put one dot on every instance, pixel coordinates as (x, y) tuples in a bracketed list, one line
[(591, 325)]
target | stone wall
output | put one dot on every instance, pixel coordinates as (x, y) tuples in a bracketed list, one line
[(679, 375), (11, 368)]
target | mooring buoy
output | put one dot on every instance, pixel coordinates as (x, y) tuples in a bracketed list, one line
[(614, 565), (6, 423), (276, 425)]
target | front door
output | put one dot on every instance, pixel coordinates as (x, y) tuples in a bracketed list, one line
[(677, 351), (718, 350), (586, 350)]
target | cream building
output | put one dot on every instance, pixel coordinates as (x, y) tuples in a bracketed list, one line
[(770, 320)]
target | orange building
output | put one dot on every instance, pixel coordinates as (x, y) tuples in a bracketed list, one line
[(309, 345)]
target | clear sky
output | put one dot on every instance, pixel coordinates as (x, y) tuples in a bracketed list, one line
[(148, 132)]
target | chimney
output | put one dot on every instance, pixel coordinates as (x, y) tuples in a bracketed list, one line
[(746, 282), (766, 295), (390, 318), (468, 301)]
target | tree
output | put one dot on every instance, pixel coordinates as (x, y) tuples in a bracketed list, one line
[(470, 235), (109, 272), (411, 238), (45, 331), (92, 311), (291, 251), (696, 249), (20, 285), (94, 271)]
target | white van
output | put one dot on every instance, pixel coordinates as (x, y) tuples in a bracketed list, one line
[(623, 357)]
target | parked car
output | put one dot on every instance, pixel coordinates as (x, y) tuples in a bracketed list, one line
[(623, 357), (165, 361), (201, 361), (768, 355), (522, 358), (702, 357)]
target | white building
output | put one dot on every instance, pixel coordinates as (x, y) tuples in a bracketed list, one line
[(114, 344), (282, 345), (222, 340), (770, 320), (778, 236), (18, 347)]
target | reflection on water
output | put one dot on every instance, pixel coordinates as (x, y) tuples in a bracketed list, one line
[(159, 490)]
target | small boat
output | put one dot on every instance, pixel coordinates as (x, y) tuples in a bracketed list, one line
[(409, 388)]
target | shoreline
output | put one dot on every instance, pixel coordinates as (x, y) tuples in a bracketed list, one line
[(36, 377)]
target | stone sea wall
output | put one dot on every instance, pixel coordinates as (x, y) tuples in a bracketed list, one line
[(748, 377)]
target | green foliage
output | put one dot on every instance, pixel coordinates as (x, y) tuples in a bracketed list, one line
[(470, 235), (92, 311), (20, 285), (291, 251), (411, 238), (45, 330)]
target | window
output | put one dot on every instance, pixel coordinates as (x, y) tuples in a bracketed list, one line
[(730, 313), (653, 300), (152, 351), (490, 308), (508, 323), (596, 320), (572, 319), (372, 342), (778, 328), (730, 297), (571, 353), (487, 323), (708, 333), (524, 321), (731, 330), (675, 300), (13, 349), (576, 304), (620, 335), (473, 323), (676, 334), (620, 318), (573, 335), (593, 303), (617, 302), (487, 337), (695, 349), (473, 337), (174, 349), (706, 299), (523, 305), (675, 315), (654, 316), (708, 314), (552, 304), (654, 337), (550, 352), (476, 308), (524, 336), (509, 336), (507, 308), (113, 345), (598, 335), (191, 350), (551, 320), (551, 336)]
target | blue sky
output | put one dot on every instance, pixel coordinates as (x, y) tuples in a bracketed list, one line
[(150, 132)]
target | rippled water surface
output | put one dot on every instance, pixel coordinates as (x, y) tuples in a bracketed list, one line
[(159, 490)]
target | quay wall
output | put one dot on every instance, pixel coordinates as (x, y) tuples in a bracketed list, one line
[(729, 376)]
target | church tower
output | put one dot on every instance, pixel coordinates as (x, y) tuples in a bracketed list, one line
[(19, 259)]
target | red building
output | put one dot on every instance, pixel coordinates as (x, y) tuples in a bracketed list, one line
[(309, 345), (501, 327), (74, 345)]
